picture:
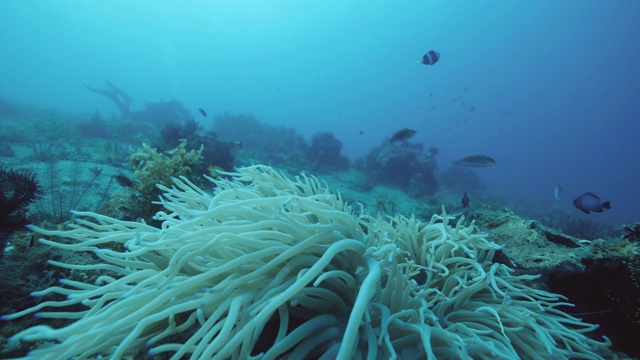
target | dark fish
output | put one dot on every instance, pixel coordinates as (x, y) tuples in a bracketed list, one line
[(402, 135), (204, 113), (590, 202), (476, 161), (361, 132), (429, 58), (123, 180), (465, 200)]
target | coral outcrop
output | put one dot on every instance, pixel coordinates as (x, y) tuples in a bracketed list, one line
[(403, 165)]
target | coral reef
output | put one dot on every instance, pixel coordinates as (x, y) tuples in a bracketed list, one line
[(280, 146), (275, 268), (173, 133), (152, 168), (263, 143), (216, 152), (534, 248), (324, 153), (608, 293), (602, 278), (631, 232), (403, 165)]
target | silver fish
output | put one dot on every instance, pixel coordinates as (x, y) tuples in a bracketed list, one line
[(557, 191)]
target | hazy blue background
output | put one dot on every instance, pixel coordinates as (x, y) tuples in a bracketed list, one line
[(555, 84)]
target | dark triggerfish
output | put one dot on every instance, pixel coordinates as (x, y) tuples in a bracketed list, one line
[(430, 58), (476, 161), (590, 202), (402, 135)]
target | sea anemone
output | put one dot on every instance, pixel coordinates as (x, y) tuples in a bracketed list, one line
[(270, 268)]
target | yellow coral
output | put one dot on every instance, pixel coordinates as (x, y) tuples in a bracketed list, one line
[(151, 167)]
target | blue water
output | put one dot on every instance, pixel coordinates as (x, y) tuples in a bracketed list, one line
[(554, 85)]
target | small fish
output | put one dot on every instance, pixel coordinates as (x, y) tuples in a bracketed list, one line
[(476, 161), (215, 171), (429, 58), (590, 202), (402, 135), (123, 180), (465, 200), (557, 191), (204, 113)]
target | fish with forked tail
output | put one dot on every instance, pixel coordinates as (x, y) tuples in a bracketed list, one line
[(430, 58), (402, 135), (590, 202)]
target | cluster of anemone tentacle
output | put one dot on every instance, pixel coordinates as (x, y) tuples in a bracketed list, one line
[(270, 268)]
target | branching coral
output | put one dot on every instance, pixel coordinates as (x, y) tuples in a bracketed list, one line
[(269, 268)]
